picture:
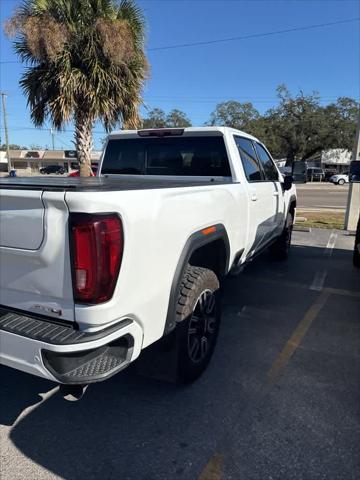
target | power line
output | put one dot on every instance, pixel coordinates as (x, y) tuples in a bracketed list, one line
[(222, 97), (239, 38), (64, 143), (255, 35), (219, 1), (47, 130), (220, 100), (207, 97)]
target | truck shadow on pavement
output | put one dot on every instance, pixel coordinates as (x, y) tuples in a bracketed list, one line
[(18, 392), (131, 427)]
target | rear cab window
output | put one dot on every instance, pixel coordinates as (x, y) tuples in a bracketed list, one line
[(175, 156)]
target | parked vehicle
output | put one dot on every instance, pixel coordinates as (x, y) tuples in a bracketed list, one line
[(315, 174), (299, 171), (94, 270), (58, 169), (329, 173), (340, 178), (76, 173)]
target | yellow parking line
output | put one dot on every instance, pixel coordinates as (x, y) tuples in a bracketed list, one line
[(294, 341), (213, 469)]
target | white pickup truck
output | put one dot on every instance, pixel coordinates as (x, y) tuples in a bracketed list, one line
[(95, 270)]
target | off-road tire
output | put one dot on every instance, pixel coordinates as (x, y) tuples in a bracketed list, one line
[(197, 284), (279, 250)]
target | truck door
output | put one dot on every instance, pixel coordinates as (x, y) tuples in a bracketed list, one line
[(274, 189), (261, 204)]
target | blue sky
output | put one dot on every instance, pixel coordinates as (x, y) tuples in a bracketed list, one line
[(194, 79)]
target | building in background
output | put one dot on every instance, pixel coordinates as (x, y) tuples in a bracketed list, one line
[(29, 162), (3, 162), (336, 159)]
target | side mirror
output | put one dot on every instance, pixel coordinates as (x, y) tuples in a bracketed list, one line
[(288, 182)]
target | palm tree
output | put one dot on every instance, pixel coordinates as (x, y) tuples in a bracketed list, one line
[(86, 62)]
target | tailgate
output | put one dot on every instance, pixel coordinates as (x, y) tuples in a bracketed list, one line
[(35, 271), (26, 210)]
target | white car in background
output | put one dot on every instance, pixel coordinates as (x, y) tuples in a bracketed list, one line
[(340, 178)]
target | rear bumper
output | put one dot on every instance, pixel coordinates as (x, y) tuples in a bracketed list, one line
[(63, 354)]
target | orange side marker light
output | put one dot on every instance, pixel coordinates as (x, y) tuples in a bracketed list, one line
[(208, 230)]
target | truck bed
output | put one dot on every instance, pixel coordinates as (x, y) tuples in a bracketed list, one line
[(103, 183)]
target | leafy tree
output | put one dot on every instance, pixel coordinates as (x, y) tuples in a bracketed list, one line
[(244, 116), (177, 118), (305, 128), (342, 118), (86, 62), (12, 146), (234, 114), (299, 127), (155, 119), (263, 129)]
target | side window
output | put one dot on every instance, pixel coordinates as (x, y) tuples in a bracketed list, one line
[(248, 158), (271, 173)]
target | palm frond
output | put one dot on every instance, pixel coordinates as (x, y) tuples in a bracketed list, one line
[(86, 61)]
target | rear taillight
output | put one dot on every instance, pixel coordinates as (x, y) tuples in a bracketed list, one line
[(97, 248)]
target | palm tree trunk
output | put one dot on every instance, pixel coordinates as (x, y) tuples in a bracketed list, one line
[(84, 144)]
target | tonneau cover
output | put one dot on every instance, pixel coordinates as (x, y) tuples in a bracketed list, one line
[(124, 182)]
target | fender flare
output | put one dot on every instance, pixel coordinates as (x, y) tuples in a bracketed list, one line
[(193, 243)]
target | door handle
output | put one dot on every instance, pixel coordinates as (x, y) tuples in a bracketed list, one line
[(253, 197)]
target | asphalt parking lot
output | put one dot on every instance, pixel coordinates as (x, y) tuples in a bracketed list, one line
[(280, 399)]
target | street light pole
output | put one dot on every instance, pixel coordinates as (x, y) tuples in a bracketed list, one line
[(353, 201), (356, 151), (52, 138), (3, 101)]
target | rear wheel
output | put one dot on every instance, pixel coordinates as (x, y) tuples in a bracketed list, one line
[(341, 181), (198, 316), (280, 248)]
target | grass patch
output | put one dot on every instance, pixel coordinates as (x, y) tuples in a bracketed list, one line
[(322, 219)]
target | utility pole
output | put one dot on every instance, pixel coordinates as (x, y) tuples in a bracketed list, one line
[(52, 138), (353, 202), (3, 101), (356, 151)]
